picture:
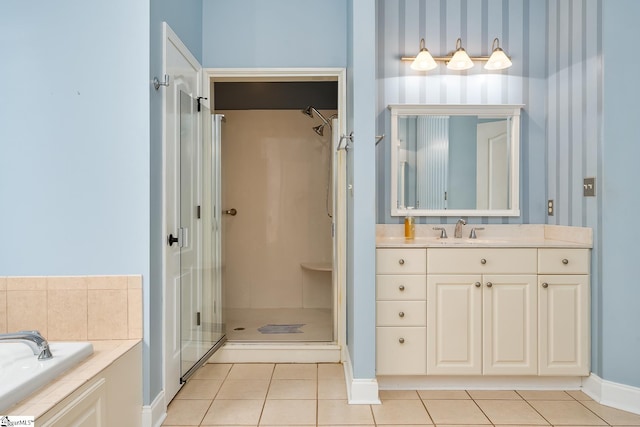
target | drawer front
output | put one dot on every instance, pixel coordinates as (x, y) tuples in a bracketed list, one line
[(563, 261), (401, 351), (482, 261), (401, 287), (401, 313), (401, 261)]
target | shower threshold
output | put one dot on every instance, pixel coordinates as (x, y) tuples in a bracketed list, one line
[(272, 325)]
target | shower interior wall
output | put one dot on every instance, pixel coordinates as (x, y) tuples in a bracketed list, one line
[(275, 171)]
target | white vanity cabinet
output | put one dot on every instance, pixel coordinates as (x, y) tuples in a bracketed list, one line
[(481, 311), (563, 311), (401, 311)]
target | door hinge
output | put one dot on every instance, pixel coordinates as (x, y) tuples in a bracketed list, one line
[(198, 318), (198, 211)]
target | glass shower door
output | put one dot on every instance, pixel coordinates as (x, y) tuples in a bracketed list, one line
[(201, 328)]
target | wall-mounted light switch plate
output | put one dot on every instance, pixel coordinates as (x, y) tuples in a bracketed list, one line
[(550, 207), (589, 187)]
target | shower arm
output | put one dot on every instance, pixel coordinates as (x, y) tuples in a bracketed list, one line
[(323, 118)]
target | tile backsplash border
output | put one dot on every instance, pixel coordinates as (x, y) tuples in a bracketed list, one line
[(73, 308)]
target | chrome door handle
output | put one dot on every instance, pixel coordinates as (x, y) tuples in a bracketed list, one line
[(232, 212)]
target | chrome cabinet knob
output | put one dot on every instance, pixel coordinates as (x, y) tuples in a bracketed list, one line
[(489, 284), (401, 340), (478, 284), (483, 261), (401, 287), (545, 285), (401, 314), (565, 261), (401, 261)]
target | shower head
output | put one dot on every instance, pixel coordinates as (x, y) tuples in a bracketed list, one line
[(319, 129), (308, 111)]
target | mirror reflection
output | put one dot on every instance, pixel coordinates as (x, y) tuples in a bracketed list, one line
[(455, 160)]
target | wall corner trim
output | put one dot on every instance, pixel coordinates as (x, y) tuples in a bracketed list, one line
[(616, 395), (153, 415), (359, 391)]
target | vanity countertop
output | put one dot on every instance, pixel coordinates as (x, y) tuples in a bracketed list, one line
[(495, 236)]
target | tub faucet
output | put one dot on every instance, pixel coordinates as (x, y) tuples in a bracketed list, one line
[(458, 231), (33, 339)]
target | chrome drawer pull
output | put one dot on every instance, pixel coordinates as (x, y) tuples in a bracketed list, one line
[(483, 261), (401, 262), (401, 340), (565, 261), (545, 285), (401, 314), (489, 284), (401, 287), (478, 284)]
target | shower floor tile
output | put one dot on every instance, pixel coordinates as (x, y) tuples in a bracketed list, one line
[(243, 324)]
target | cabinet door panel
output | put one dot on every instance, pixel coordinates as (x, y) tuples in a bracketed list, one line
[(401, 351), (510, 325), (563, 316), (454, 325)]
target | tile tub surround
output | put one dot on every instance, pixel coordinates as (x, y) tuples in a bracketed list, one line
[(507, 235), (73, 308)]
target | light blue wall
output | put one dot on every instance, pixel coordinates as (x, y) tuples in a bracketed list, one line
[(361, 100), (274, 33), (184, 18), (620, 198), (520, 25)]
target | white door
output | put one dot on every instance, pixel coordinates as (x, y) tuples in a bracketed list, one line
[(492, 166), (184, 77)]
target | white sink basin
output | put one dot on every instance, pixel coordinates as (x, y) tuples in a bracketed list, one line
[(21, 373)]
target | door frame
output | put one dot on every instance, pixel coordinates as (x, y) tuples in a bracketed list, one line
[(340, 239)]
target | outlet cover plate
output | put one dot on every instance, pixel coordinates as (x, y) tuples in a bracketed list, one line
[(589, 187)]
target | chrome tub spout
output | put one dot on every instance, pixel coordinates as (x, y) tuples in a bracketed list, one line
[(33, 339)]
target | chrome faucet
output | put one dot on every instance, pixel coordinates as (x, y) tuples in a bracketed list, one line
[(33, 339), (458, 231)]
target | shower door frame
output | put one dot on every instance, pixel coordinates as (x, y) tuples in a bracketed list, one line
[(339, 248)]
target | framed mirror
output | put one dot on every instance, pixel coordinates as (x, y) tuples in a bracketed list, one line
[(455, 160)]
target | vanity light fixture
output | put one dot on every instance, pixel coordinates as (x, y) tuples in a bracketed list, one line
[(459, 59)]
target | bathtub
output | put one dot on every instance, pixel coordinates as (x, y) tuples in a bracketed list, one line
[(21, 373)]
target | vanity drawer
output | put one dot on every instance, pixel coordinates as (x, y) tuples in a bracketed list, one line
[(401, 287), (563, 261), (401, 351), (401, 261), (401, 313), (483, 261)]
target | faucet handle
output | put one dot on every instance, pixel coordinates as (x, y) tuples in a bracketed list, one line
[(443, 232), (472, 235)]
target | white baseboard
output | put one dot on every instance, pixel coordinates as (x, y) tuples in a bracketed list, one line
[(359, 391), (612, 394), (153, 415)]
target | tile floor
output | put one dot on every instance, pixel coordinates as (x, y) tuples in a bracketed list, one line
[(315, 394)]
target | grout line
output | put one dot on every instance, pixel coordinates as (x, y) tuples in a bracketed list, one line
[(589, 409)]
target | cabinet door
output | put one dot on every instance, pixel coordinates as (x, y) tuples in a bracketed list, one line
[(454, 325), (563, 316), (510, 311)]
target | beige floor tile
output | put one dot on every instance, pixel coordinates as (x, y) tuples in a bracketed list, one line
[(213, 371), (455, 412), (398, 394), (339, 412), (243, 389), (494, 395), (400, 412), (289, 412), (233, 412), (467, 425), (199, 389), (544, 395), (332, 389), (517, 412), (566, 413), (251, 371), (613, 416), (579, 395), (292, 389), (186, 412), (443, 394), (296, 371), (330, 371)]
